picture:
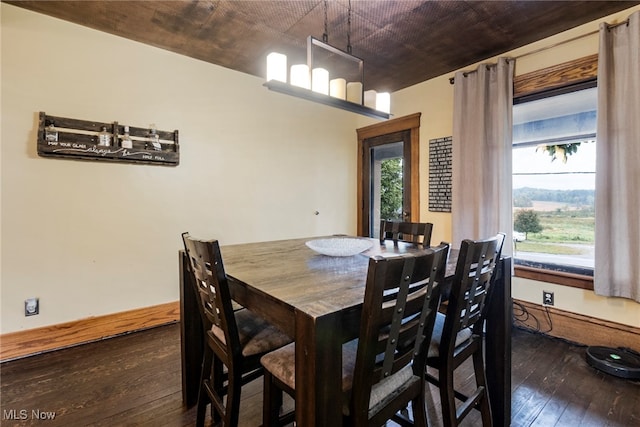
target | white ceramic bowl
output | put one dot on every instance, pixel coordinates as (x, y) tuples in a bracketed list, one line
[(339, 246)]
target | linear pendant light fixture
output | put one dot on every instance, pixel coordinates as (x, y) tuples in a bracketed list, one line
[(330, 76)]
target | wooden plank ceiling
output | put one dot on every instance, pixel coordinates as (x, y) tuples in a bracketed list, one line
[(401, 42)]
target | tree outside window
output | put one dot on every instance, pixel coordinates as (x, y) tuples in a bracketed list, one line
[(527, 221), (391, 189)]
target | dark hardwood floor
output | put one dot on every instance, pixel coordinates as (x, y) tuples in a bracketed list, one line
[(134, 380)]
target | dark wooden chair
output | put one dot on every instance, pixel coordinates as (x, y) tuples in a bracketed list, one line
[(234, 339), (412, 232), (458, 334), (383, 369)]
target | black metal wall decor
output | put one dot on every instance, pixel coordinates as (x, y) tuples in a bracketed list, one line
[(68, 138), (440, 174)]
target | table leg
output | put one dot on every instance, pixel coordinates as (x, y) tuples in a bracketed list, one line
[(318, 371), (498, 346), (191, 335)]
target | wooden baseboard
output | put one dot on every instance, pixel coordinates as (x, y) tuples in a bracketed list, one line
[(575, 327), (15, 345), (570, 326)]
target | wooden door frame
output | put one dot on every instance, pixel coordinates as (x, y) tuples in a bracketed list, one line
[(411, 123)]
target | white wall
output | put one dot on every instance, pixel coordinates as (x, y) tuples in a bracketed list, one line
[(434, 98), (91, 238)]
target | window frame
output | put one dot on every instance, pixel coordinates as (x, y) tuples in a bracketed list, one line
[(566, 77)]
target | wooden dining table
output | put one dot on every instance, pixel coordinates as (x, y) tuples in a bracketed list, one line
[(317, 300)]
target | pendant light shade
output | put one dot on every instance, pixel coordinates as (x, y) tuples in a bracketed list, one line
[(338, 88), (383, 102), (354, 92), (277, 67), (320, 81), (300, 76), (370, 98)]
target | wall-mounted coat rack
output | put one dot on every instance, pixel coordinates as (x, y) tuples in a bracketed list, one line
[(84, 140)]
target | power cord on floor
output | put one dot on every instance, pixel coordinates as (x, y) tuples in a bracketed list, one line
[(521, 315)]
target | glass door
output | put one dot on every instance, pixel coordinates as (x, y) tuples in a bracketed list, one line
[(386, 180)]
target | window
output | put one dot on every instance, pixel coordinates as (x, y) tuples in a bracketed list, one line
[(554, 138)]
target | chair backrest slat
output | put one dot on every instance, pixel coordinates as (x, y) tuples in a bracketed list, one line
[(412, 232)]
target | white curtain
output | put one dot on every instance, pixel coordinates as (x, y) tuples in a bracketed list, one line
[(617, 246), (482, 127)]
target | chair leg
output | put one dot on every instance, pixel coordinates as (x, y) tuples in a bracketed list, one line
[(481, 381), (447, 397), (232, 408), (272, 401), (203, 396), (430, 403), (419, 410), (218, 388)]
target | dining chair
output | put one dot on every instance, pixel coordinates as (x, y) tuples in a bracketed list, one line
[(412, 232), (235, 339), (382, 369), (458, 334)]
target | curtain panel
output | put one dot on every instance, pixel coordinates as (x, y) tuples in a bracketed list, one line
[(481, 200), (617, 245)]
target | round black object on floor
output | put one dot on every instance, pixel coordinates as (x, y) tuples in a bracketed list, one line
[(621, 362)]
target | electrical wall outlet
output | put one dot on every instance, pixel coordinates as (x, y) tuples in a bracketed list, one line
[(547, 298), (31, 306)]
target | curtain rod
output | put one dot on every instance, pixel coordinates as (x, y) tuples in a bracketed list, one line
[(466, 73), (609, 27)]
